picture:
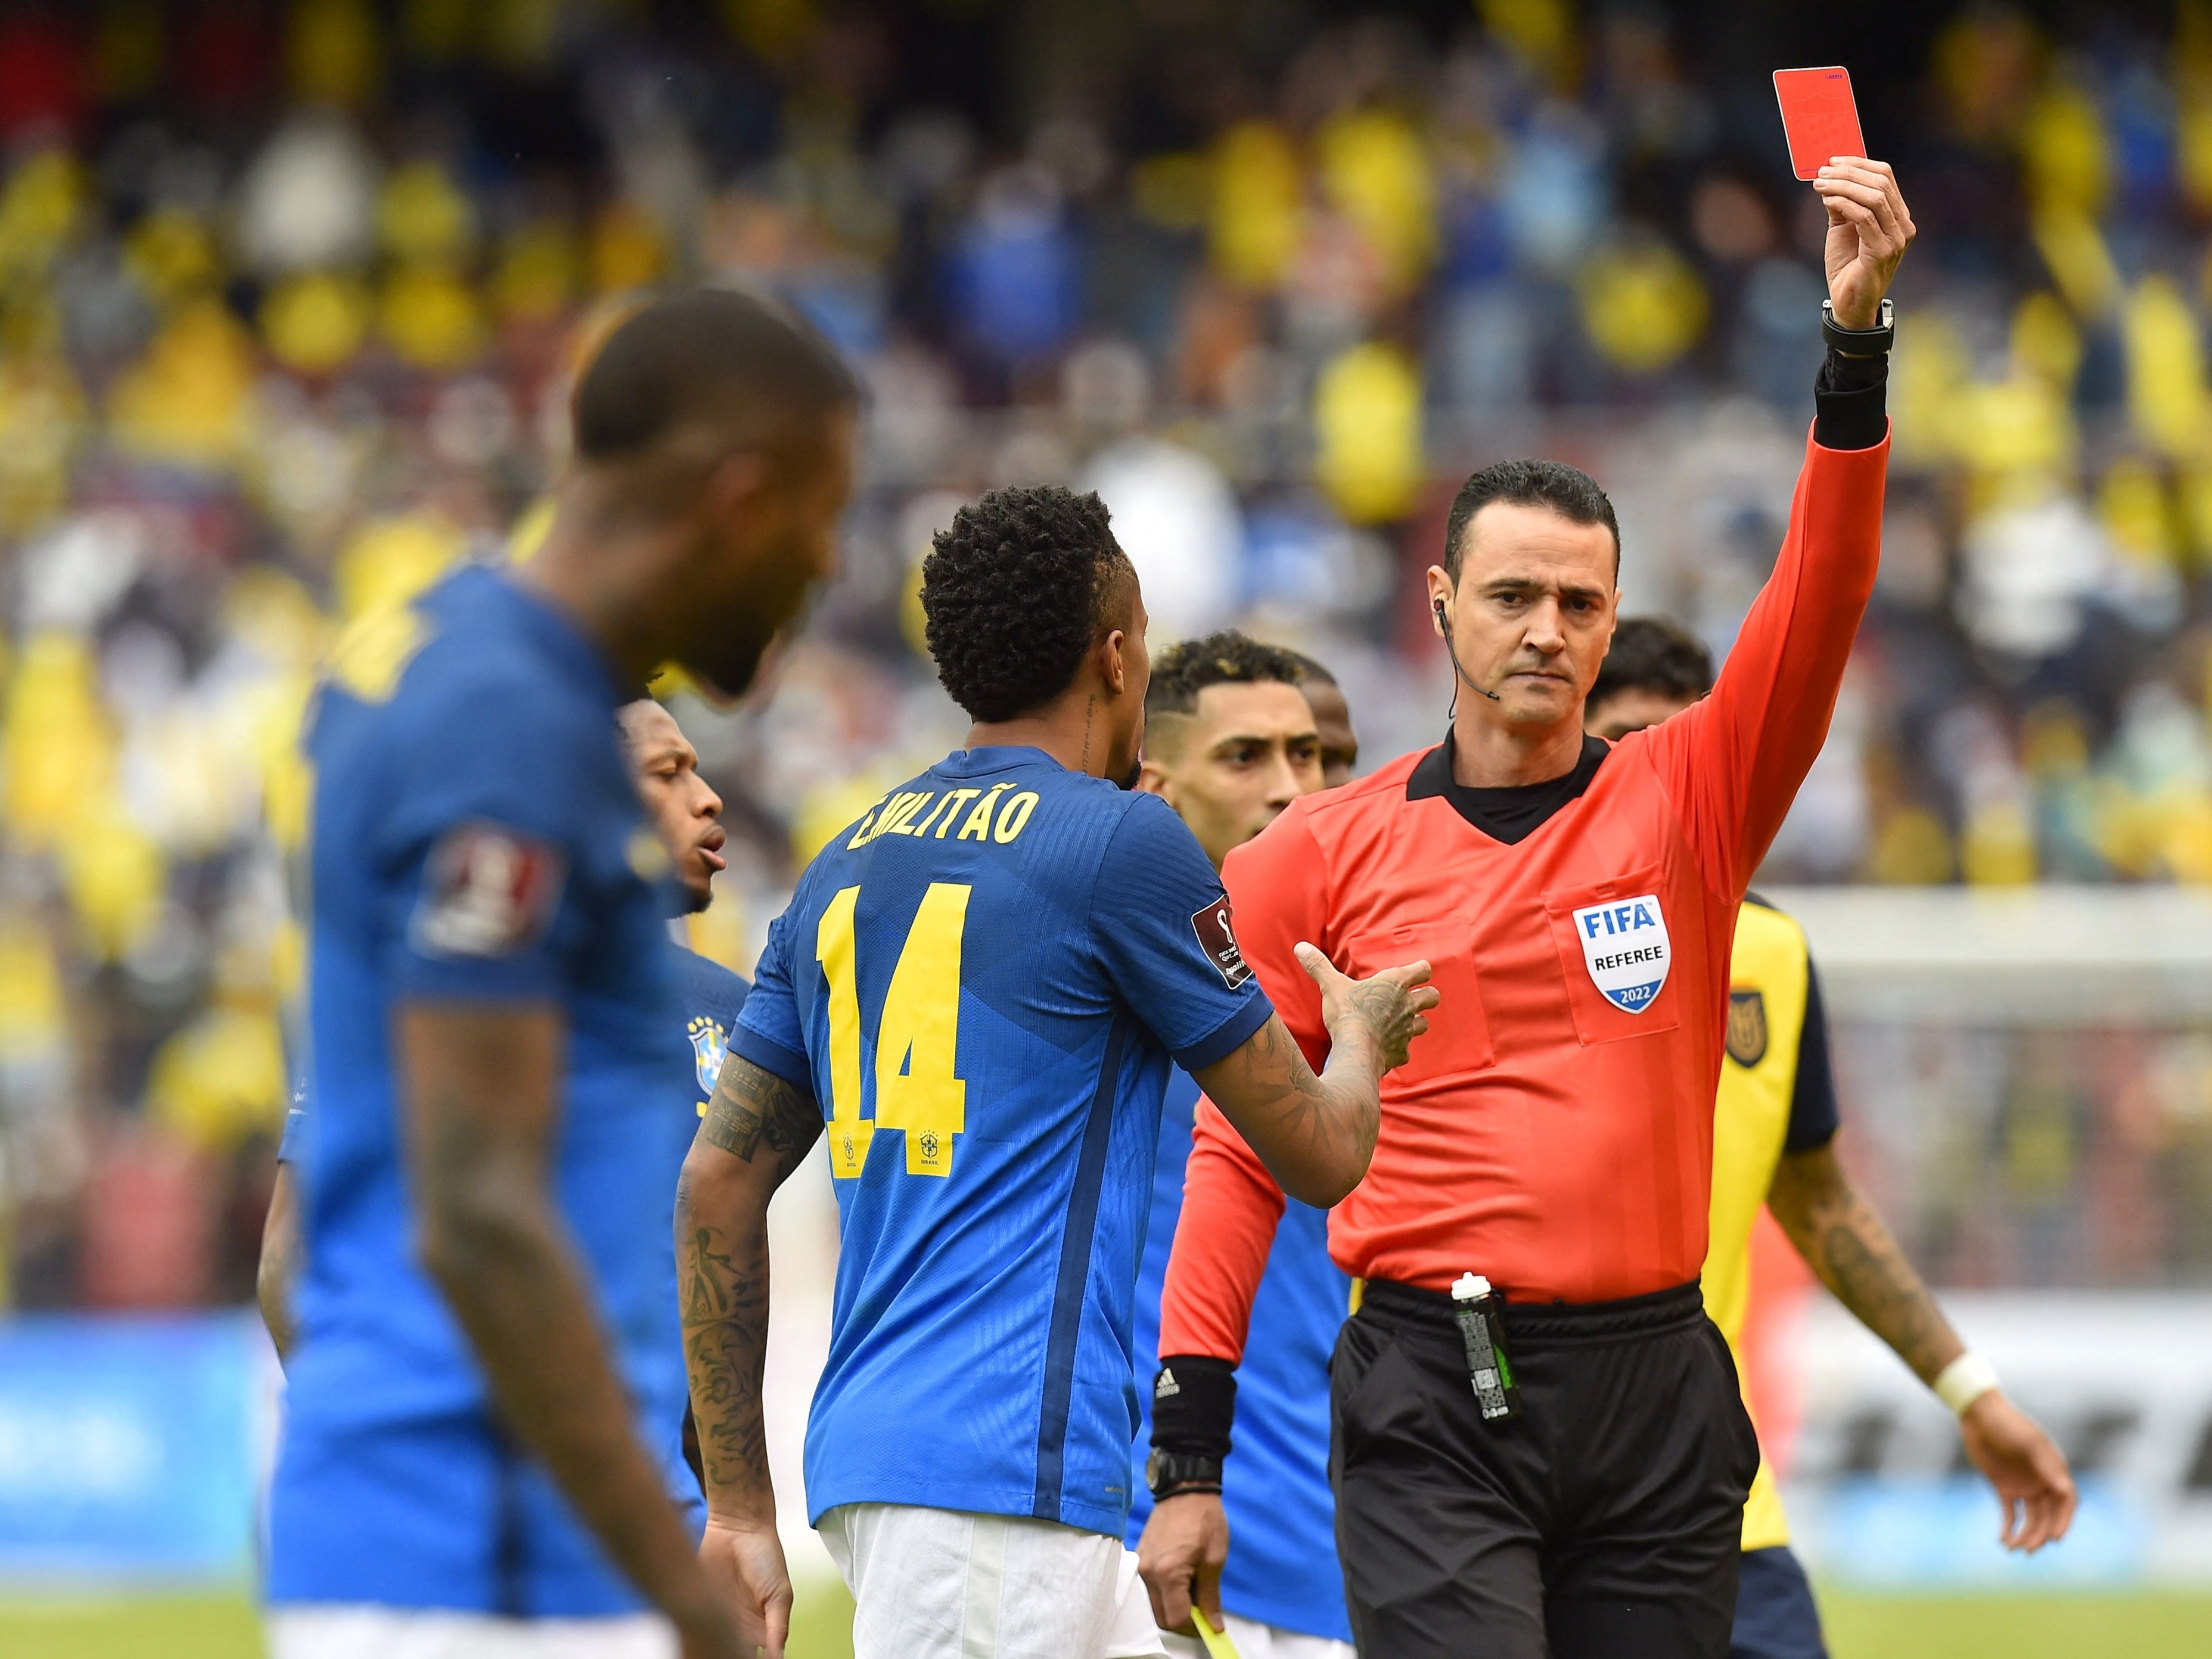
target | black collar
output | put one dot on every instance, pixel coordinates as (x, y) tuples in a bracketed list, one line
[(1512, 814)]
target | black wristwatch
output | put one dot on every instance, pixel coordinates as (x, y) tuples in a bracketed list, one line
[(1859, 342), (1171, 1473)]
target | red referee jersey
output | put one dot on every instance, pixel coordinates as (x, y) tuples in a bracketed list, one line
[(1554, 1130)]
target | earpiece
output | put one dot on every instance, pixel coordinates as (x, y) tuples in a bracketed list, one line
[(1437, 605)]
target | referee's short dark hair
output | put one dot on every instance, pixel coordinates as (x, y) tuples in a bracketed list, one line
[(709, 356), (1650, 654), (1229, 657), (1566, 490), (1021, 585)]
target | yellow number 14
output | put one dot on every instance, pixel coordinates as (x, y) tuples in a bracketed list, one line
[(917, 1036)]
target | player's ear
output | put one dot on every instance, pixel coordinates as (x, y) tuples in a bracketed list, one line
[(1152, 777), (1113, 661)]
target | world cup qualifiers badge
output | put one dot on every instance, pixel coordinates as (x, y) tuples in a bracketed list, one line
[(1625, 947)]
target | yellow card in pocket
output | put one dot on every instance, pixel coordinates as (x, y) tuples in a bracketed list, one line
[(1218, 1645)]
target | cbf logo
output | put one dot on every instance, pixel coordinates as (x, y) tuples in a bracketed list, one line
[(1624, 946), (709, 1047)]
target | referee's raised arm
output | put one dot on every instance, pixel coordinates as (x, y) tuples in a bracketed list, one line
[(1736, 759)]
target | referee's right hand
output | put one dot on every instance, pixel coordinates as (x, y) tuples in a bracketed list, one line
[(1180, 1558), (1387, 1010)]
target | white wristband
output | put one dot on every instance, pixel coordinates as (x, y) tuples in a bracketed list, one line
[(1964, 1381)]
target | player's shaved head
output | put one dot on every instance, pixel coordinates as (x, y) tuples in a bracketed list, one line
[(714, 455), (739, 366)]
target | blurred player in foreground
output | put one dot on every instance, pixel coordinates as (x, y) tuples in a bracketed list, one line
[(687, 813), (1231, 739), (1542, 1176), (982, 985), (1774, 1133), (484, 1344)]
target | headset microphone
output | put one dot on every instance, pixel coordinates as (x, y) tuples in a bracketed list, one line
[(1466, 678)]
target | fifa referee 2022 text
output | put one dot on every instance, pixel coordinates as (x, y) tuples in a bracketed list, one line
[(1577, 901)]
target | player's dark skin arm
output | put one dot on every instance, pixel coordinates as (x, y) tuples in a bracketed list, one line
[(1316, 1135), (481, 1091), (756, 1130), (282, 1258), (1845, 1241)]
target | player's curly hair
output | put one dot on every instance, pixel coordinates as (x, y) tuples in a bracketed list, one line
[(1229, 657), (1020, 587)]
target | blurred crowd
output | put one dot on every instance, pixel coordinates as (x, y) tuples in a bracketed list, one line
[(291, 292)]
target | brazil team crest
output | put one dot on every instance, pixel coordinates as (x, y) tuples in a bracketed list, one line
[(1625, 947), (710, 1046)]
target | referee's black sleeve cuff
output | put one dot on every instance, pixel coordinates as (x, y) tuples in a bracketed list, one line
[(1851, 401), (1193, 1405)]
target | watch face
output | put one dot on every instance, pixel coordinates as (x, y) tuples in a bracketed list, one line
[(1152, 1467)]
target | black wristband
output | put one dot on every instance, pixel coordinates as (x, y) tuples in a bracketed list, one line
[(1851, 401), (1193, 1405)]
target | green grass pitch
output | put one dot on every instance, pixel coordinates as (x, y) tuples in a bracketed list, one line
[(2146, 1625)]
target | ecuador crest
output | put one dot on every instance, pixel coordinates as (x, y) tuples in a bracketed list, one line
[(1747, 1027)]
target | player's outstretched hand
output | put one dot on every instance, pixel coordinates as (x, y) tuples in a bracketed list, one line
[(1389, 1007), (2033, 1482), (1180, 1558), (1868, 230), (744, 1564)]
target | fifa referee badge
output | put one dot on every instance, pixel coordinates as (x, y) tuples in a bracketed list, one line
[(1482, 1327)]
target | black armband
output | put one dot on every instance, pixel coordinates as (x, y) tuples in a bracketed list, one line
[(1193, 1405), (1850, 399)]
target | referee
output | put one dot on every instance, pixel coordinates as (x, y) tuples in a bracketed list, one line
[(1775, 1123), (1577, 901)]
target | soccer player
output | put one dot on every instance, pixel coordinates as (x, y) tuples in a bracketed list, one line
[(485, 1346), (1553, 1134), (1331, 712), (980, 986), (1230, 741), (1774, 1129)]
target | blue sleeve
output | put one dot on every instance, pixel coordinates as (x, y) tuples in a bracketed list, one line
[(770, 1031), (1162, 923), (1813, 1115), (495, 867), (289, 1148)]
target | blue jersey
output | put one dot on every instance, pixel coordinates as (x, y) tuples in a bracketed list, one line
[(1282, 1518), (708, 998), (475, 838), (982, 983)]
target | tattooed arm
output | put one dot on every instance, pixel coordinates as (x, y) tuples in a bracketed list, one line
[(1844, 1242), (757, 1129), (481, 1087), (1315, 1135)]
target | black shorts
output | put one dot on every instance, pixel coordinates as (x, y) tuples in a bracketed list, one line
[(1605, 1522)]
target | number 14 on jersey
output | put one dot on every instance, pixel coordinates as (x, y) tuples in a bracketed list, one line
[(917, 1035)]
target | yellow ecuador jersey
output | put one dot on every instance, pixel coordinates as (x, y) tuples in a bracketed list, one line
[(1777, 1094)]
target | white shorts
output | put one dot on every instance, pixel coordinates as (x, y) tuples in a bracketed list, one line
[(943, 1584), (379, 1632), (1262, 1641)]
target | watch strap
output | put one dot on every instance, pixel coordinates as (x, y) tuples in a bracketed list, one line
[(1859, 342)]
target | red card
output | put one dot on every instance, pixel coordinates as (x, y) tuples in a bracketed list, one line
[(1819, 116)]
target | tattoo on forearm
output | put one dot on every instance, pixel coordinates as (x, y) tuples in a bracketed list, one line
[(750, 1103), (1844, 1242), (723, 1272)]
